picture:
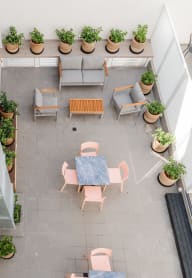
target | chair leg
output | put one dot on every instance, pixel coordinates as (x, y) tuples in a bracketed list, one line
[(79, 188), (101, 205), (62, 188), (104, 187), (121, 187), (82, 205), (118, 116)]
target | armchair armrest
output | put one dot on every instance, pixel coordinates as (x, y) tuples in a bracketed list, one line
[(48, 90), (122, 88), (133, 104), (105, 68), (45, 107)]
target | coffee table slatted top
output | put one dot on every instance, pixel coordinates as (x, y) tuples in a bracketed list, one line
[(86, 106)]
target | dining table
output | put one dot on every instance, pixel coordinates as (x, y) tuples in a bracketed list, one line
[(92, 170), (105, 274)]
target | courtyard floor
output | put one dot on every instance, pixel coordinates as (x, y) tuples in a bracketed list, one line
[(56, 234)]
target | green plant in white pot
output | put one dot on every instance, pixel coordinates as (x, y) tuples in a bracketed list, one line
[(162, 140), (172, 172)]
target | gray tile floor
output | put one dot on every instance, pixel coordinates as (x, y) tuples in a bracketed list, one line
[(134, 224)]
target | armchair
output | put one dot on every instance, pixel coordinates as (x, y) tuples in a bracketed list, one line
[(45, 102), (128, 99)]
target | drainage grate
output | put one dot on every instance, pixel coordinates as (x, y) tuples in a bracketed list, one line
[(74, 128)]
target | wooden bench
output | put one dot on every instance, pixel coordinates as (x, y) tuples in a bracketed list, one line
[(86, 106)]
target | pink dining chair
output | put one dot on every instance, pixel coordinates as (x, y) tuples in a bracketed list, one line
[(69, 175), (99, 259), (86, 148), (119, 175), (92, 194)]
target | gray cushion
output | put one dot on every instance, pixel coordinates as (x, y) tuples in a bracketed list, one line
[(137, 94), (38, 98), (93, 63), (121, 98), (71, 62), (49, 100), (71, 76), (93, 76)]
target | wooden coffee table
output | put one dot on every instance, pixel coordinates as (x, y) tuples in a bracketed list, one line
[(86, 106)]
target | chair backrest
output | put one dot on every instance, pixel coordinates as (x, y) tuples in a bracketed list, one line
[(64, 168), (100, 251), (90, 145), (125, 170)]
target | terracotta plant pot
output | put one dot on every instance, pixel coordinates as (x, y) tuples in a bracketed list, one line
[(65, 47), (150, 118), (12, 48), (7, 115), (146, 89), (9, 256), (10, 167), (158, 147), (36, 48), (88, 47), (9, 141), (165, 180), (137, 47), (112, 47)]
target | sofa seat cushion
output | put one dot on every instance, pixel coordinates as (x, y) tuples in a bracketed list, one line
[(120, 99), (71, 63), (93, 76), (92, 63), (49, 100), (71, 76)]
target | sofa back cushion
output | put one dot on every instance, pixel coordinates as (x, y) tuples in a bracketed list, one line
[(93, 63), (137, 94), (71, 63)]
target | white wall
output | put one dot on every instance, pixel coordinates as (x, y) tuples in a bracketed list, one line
[(49, 15)]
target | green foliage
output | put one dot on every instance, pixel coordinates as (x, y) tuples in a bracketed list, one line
[(9, 156), (174, 170), (13, 37), (155, 107), (8, 106), (117, 35), (66, 36), (36, 36), (141, 33), (165, 138), (17, 211), (90, 34), (7, 130), (6, 246), (148, 77)]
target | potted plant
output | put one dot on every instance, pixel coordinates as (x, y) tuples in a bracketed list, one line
[(7, 107), (161, 140), (138, 42), (113, 43), (66, 38), (7, 247), (147, 81), (17, 211), (89, 38), (7, 132), (9, 158), (37, 42), (13, 40), (153, 112), (172, 171)]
